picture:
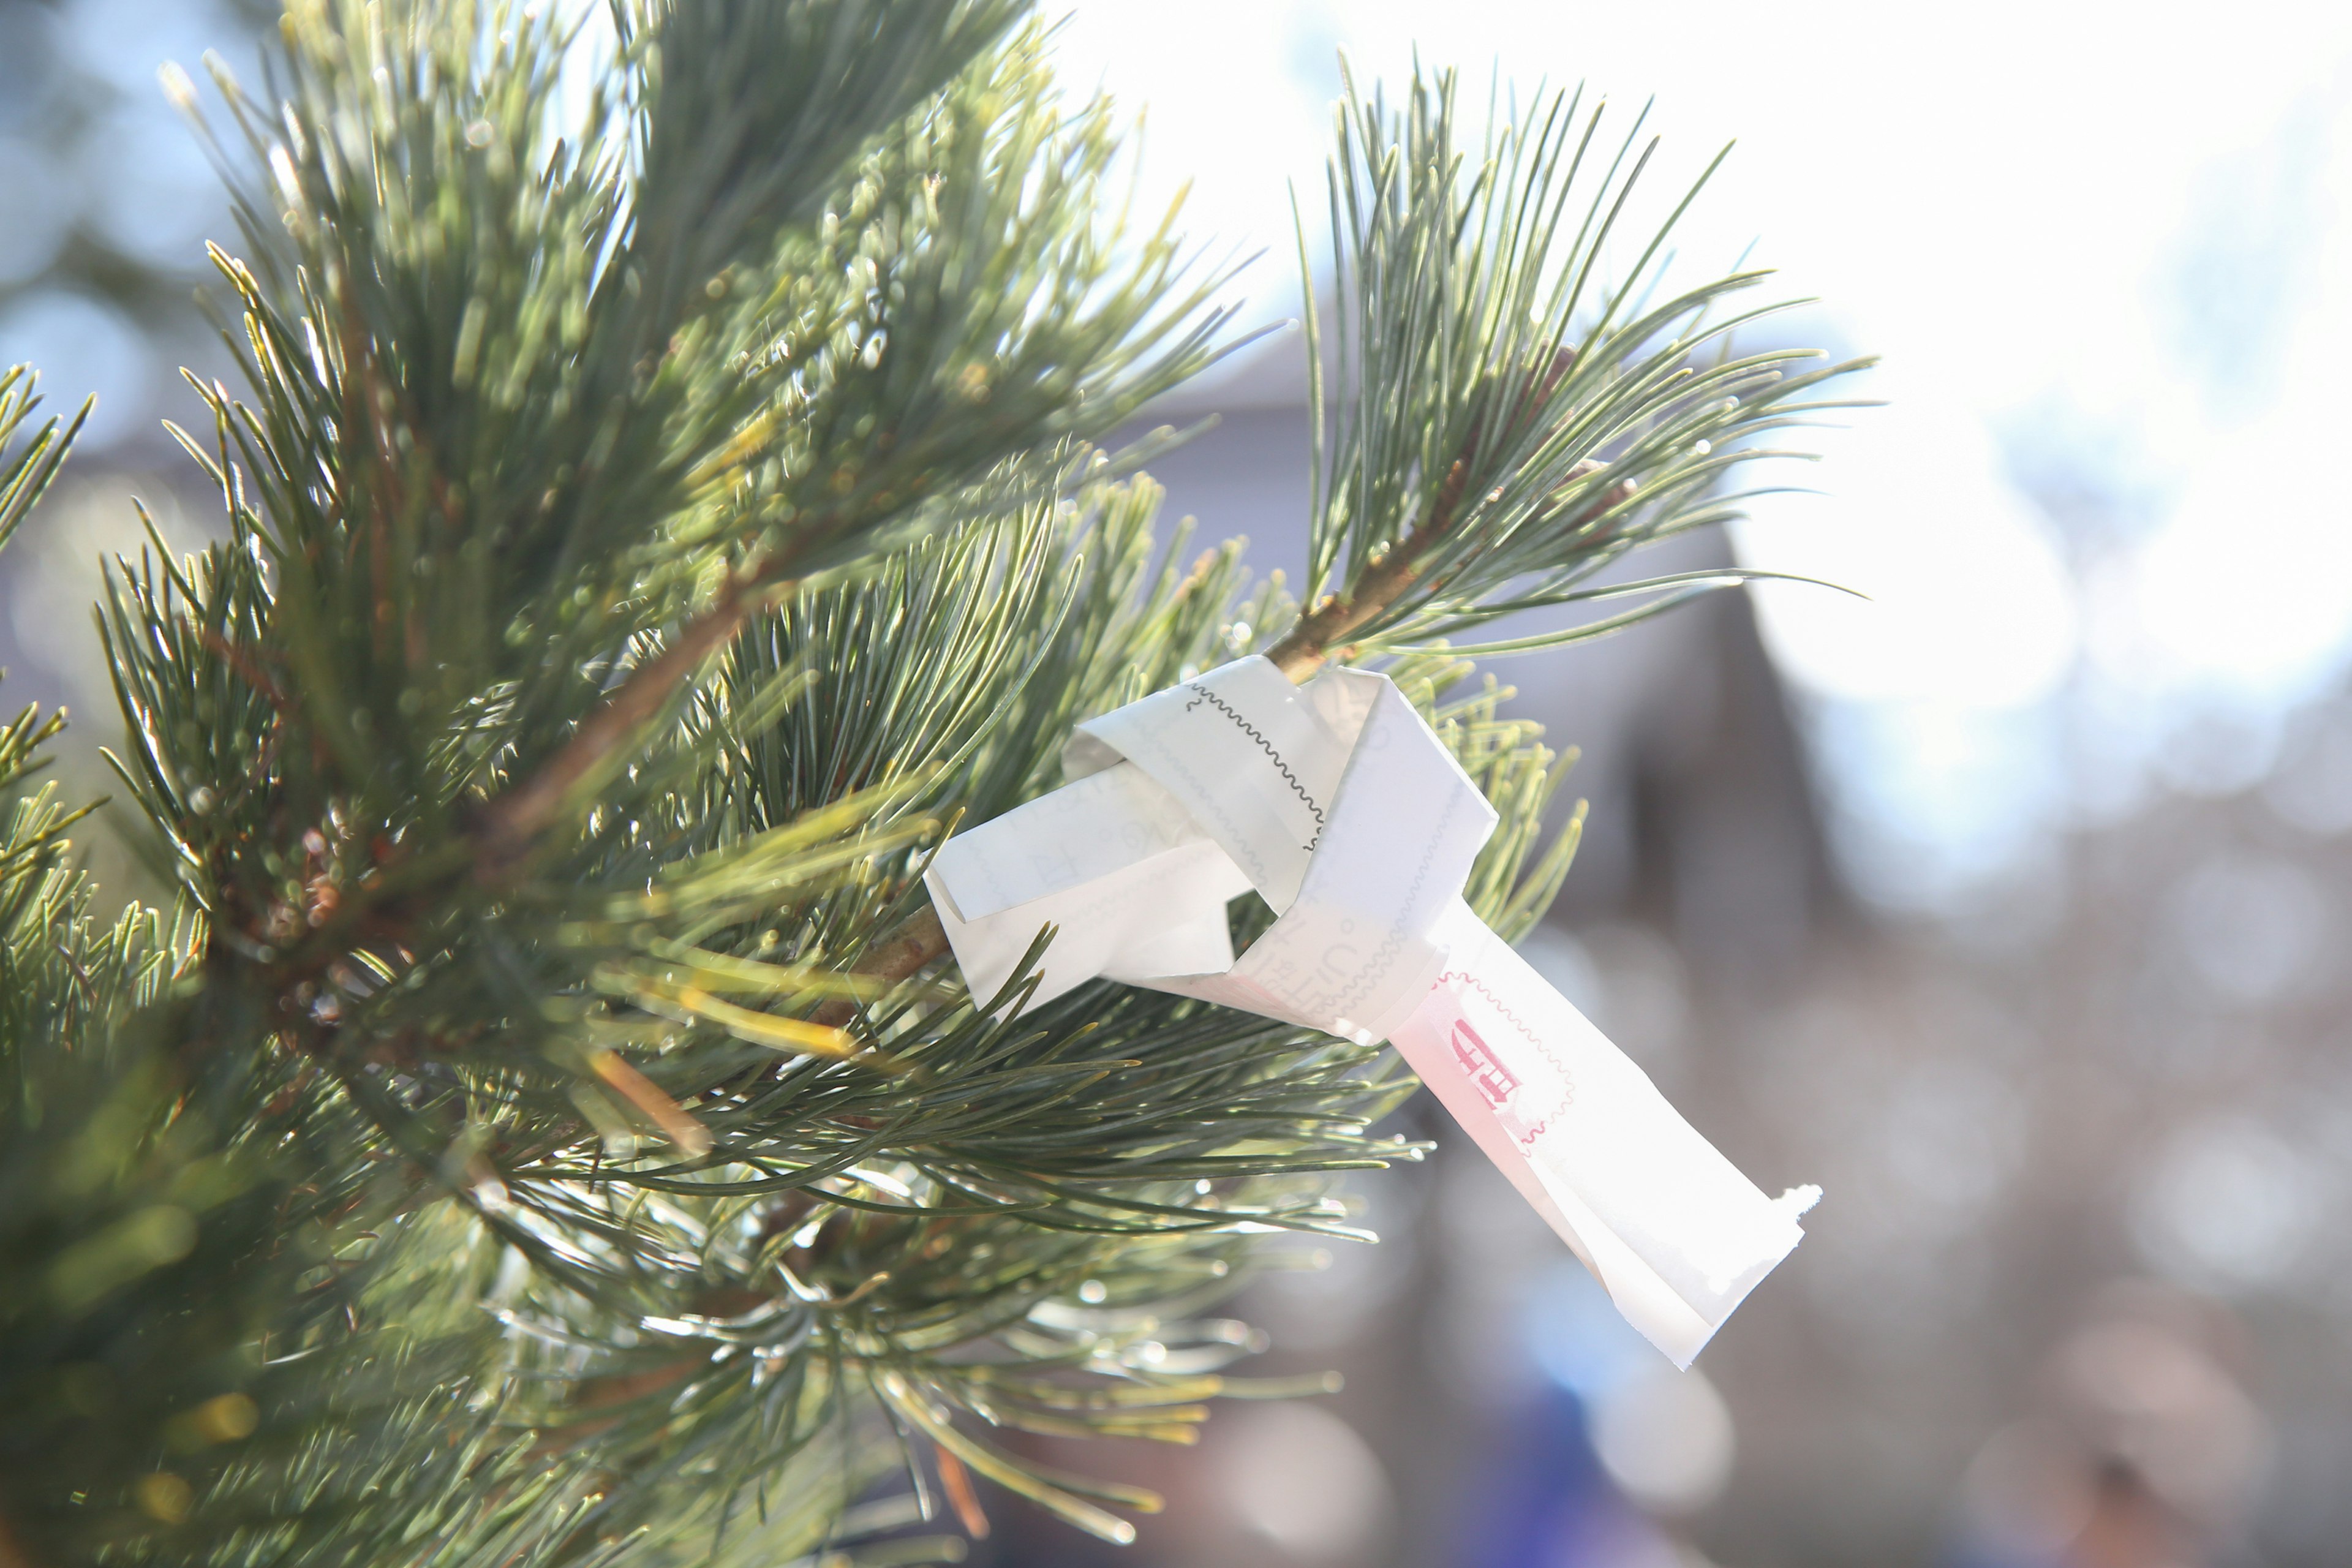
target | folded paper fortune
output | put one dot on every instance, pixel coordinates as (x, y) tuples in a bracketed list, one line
[(1347, 814)]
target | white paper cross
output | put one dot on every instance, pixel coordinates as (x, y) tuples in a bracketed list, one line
[(1349, 817)]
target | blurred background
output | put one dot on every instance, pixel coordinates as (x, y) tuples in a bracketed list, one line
[(2014, 906)]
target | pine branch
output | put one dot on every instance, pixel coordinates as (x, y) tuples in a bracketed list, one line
[(27, 467), (512, 824), (1495, 424), (1386, 578), (646, 534)]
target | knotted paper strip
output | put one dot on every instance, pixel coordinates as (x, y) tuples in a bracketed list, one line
[(1349, 817)]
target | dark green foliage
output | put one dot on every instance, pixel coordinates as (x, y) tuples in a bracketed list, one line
[(652, 520)]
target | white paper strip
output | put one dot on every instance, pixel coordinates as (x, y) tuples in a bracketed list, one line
[(1348, 816)]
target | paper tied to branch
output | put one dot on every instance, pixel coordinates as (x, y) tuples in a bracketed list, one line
[(1345, 813)]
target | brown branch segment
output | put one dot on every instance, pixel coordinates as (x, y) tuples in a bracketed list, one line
[(510, 824), (917, 942), (1302, 650), (1383, 582), (1385, 578)]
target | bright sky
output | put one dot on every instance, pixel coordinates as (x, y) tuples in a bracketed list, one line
[(2106, 256)]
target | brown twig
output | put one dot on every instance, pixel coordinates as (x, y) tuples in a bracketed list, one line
[(510, 824), (1302, 650), (1384, 581), (1387, 575), (917, 942), (1330, 623), (246, 666)]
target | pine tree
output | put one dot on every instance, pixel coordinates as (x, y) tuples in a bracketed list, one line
[(542, 1130)]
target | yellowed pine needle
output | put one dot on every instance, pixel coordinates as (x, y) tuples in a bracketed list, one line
[(693, 1140), (956, 1482)]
